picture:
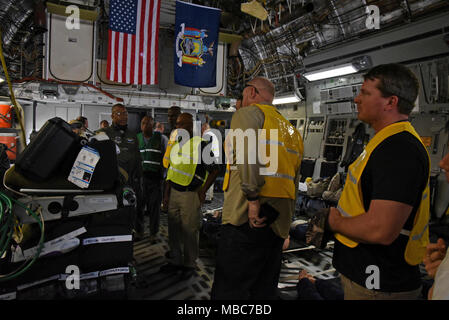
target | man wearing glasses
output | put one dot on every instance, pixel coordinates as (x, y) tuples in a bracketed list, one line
[(129, 157), (258, 201)]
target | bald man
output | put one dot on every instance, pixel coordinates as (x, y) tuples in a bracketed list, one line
[(187, 183), (258, 205)]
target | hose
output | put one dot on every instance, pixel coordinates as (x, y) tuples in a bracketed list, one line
[(13, 98), (8, 223)]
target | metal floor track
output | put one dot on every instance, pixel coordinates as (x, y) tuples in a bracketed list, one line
[(151, 284), (149, 257), (154, 285)]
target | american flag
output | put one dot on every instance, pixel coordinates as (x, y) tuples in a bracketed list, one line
[(133, 41)]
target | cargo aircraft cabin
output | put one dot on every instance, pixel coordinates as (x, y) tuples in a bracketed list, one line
[(211, 150)]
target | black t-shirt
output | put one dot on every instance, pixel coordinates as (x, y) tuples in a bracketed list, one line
[(397, 170)]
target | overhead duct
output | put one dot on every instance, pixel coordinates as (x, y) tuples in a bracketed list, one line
[(14, 15), (419, 40)]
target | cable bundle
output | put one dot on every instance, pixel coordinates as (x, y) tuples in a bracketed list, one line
[(8, 223)]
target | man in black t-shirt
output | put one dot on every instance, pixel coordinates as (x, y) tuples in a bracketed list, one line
[(385, 190)]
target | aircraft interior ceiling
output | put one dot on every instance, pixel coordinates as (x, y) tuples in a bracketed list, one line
[(57, 78), (274, 48)]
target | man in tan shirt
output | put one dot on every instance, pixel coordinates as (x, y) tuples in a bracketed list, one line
[(250, 249)]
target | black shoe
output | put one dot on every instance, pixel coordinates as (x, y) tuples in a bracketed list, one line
[(143, 284), (138, 236), (169, 268), (187, 273), (153, 239)]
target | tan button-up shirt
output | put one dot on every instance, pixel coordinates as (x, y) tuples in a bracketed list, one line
[(246, 180)]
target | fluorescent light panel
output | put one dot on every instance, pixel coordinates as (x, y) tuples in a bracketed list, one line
[(331, 72), (286, 99)]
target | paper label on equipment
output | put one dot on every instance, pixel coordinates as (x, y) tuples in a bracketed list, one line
[(47, 247), (90, 275), (84, 166), (109, 239), (9, 296), (114, 271), (83, 276), (100, 200), (316, 107)]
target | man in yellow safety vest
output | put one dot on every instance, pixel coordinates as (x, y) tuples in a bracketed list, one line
[(188, 179), (381, 221), (259, 198)]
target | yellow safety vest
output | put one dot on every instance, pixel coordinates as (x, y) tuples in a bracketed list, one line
[(351, 200), (281, 183), (171, 142), (183, 161)]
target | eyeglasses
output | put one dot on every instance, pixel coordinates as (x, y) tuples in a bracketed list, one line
[(119, 113), (250, 85)]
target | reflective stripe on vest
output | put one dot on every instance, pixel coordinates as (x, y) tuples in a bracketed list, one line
[(279, 184), (277, 175), (150, 150), (150, 155), (151, 162), (279, 144), (181, 172), (351, 200), (170, 143)]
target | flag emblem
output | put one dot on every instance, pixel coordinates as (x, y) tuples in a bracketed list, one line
[(196, 45), (191, 45)]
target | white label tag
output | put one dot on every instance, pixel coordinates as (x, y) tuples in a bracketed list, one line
[(316, 106), (84, 167), (100, 200), (61, 243), (90, 275), (114, 271), (84, 276), (109, 239), (9, 296)]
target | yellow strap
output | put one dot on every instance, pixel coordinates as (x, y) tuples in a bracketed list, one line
[(226, 177)]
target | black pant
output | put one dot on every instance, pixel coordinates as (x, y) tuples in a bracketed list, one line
[(137, 218), (329, 289), (248, 263), (152, 198)]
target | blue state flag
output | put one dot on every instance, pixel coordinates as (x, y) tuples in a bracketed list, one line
[(196, 43)]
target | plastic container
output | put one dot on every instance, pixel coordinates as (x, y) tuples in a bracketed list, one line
[(5, 116), (10, 140)]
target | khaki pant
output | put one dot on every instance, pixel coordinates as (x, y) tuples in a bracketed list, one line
[(183, 227), (354, 291), (210, 193)]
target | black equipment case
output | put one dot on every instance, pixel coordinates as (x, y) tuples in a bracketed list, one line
[(54, 145)]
